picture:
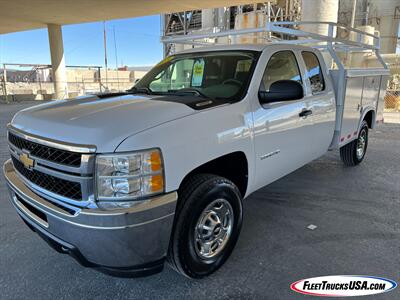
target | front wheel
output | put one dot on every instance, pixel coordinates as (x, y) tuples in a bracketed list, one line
[(207, 225), (353, 153)]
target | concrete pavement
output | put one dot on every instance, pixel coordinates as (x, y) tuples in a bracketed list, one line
[(356, 211)]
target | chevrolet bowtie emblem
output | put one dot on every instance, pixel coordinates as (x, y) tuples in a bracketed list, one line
[(27, 161)]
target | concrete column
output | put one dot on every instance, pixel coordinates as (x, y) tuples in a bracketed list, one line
[(319, 11), (58, 61)]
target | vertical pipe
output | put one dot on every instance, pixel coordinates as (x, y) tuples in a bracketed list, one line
[(57, 61), (5, 82), (4, 72), (116, 57), (269, 18), (99, 72), (366, 15), (163, 25), (286, 11), (105, 51), (184, 22), (353, 14), (228, 18), (221, 22), (40, 83)]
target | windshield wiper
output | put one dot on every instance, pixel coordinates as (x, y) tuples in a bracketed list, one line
[(189, 91), (140, 90)]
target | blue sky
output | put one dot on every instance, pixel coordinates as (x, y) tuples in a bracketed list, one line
[(137, 39)]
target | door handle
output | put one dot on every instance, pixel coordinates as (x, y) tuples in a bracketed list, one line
[(305, 113)]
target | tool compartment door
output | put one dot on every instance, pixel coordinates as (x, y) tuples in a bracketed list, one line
[(371, 91), (381, 99), (351, 110)]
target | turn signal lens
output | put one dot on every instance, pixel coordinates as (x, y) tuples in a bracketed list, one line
[(155, 161), (156, 183), (152, 162)]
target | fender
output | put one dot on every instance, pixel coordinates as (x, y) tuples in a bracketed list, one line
[(365, 111), (189, 142)]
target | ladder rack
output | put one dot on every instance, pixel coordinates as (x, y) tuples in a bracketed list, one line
[(328, 42), (344, 78), (281, 27)]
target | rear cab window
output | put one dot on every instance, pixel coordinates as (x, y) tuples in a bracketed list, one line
[(281, 66), (314, 72)]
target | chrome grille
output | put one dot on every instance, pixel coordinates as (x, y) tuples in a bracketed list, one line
[(53, 184), (48, 153), (61, 172)]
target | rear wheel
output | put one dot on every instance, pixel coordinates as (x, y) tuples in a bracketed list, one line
[(207, 225), (353, 153)]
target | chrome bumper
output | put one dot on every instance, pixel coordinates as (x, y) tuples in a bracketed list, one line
[(133, 238)]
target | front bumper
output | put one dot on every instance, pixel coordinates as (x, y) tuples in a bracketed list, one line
[(124, 242)]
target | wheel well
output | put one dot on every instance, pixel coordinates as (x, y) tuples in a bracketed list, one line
[(369, 118), (232, 166)]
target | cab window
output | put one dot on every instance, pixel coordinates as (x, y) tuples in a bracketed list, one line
[(314, 72), (281, 66)]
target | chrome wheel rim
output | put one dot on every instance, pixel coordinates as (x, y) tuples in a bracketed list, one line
[(213, 229), (361, 142)]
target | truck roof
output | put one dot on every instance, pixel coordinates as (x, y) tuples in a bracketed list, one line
[(251, 47)]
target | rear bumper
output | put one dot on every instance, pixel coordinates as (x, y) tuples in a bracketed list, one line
[(128, 242)]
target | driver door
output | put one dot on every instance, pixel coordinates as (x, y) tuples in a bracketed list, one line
[(283, 135)]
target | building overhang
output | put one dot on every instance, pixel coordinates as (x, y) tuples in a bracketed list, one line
[(20, 15)]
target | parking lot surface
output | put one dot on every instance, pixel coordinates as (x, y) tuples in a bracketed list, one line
[(356, 211)]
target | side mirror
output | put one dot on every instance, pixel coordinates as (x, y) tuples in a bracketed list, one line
[(282, 90)]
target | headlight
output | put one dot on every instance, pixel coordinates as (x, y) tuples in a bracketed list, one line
[(127, 177)]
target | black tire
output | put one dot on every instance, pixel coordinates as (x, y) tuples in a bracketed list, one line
[(348, 153), (195, 195)]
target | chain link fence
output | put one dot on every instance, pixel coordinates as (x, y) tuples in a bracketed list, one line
[(392, 97)]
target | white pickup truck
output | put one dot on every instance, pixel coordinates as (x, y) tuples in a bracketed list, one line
[(124, 181)]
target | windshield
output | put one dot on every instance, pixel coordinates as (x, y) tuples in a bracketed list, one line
[(215, 75)]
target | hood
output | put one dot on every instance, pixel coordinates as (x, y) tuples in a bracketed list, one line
[(98, 120)]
